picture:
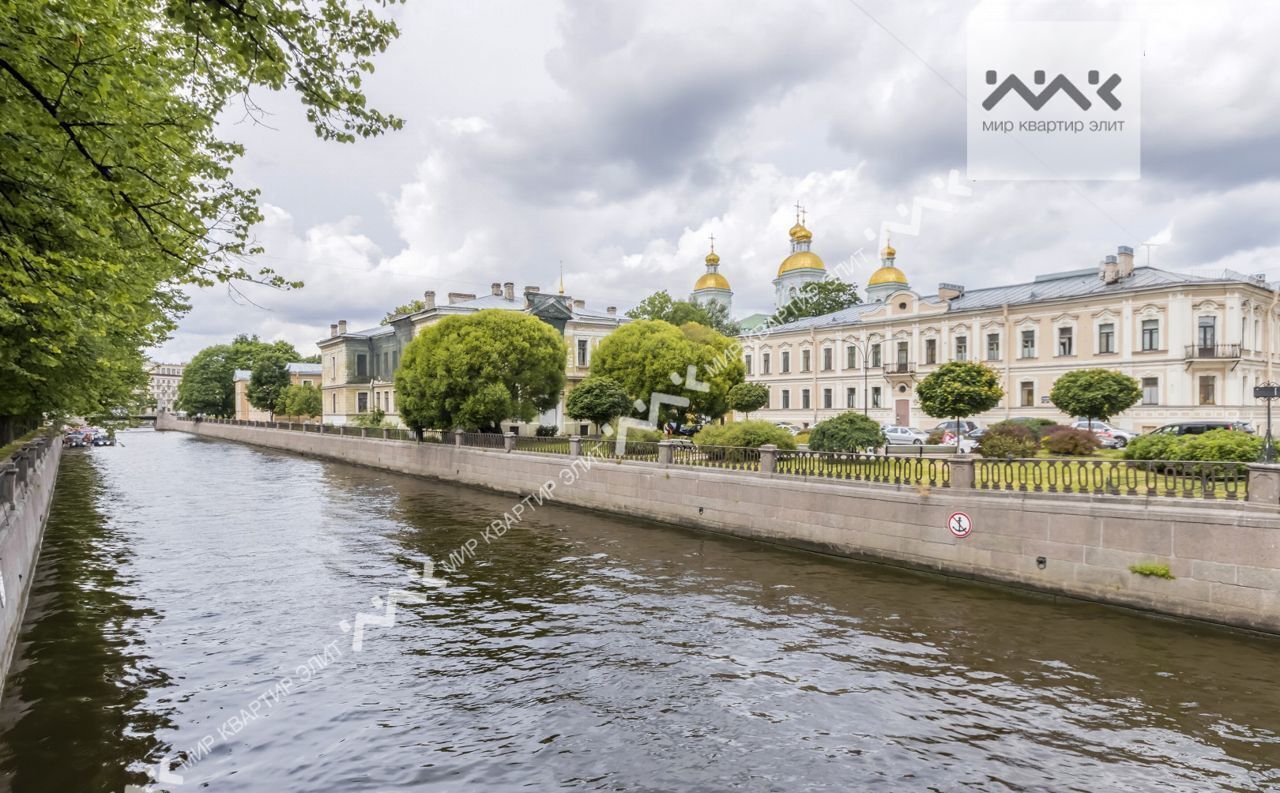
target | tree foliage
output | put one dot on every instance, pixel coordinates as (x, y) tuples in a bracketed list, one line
[(751, 434), (267, 381), (848, 432), (959, 389), (207, 387), (817, 298), (597, 399), (1096, 394), (117, 191), (478, 370), (412, 307), (748, 397), (661, 306), (719, 366), (301, 400)]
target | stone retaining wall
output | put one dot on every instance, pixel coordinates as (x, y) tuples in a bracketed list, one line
[(1224, 556)]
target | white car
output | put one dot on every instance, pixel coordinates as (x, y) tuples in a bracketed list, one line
[(1111, 437), (905, 436), (791, 428)]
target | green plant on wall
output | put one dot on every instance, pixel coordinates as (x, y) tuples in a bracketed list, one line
[(1151, 570)]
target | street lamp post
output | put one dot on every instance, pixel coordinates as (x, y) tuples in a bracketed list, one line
[(1267, 392)]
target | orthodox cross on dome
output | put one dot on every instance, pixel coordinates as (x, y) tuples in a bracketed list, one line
[(713, 242), (799, 209)]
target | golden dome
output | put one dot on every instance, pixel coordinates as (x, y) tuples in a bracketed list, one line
[(888, 252), (800, 233), (801, 260), (711, 280), (713, 258), (887, 275)]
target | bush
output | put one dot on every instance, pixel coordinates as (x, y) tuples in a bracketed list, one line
[(1222, 446), (848, 432), (802, 437), (1047, 429), (1041, 427), (1009, 439), (744, 433), (547, 431), (1153, 447), (935, 437), (372, 420), (1071, 442)]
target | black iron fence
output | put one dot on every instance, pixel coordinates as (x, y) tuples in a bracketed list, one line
[(881, 469), (1170, 479)]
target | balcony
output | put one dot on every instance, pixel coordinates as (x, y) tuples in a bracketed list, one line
[(1212, 351), (899, 368)]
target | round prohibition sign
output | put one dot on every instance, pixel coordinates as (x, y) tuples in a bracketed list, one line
[(960, 524)]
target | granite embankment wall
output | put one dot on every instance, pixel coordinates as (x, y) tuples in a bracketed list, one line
[(26, 490), (1224, 556)]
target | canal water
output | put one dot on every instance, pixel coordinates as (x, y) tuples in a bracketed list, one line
[(188, 611)]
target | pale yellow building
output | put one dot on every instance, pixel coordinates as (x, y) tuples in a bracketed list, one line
[(1197, 345), (358, 367), (299, 374), (162, 385)]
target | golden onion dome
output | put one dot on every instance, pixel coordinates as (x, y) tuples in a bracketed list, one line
[(799, 233), (711, 281), (889, 252), (887, 275), (801, 260), (713, 258)]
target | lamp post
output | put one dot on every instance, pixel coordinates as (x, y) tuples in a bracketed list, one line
[(864, 347), (1267, 392)]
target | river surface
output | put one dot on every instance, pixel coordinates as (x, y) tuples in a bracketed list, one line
[(183, 580)]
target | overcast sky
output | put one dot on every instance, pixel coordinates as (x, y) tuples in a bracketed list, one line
[(615, 137)]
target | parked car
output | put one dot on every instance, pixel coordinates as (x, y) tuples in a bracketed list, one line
[(77, 439), (1201, 426), (789, 427), (103, 439), (965, 426), (905, 436), (976, 435), (1111, 437)]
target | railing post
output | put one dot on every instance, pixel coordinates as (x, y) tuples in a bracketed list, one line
[(962, 472), (364, 432), (575, 446), (457, 439), (509, 441), (8, 484), (1263, 486), (664, 453), (768, 458), (386, 433)]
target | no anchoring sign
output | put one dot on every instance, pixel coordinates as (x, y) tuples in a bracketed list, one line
[(959, 524)]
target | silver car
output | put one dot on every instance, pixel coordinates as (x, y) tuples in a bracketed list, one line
[(905, 436)]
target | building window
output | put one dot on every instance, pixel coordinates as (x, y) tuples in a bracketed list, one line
[(826, 359), (1207, 383), (962, 348), (1066, 341), (1207, 333), (826, 399), (362, 365), (804, 399), (875, 356), (764, 363), (1150, 390), (786, 362), (1106, 338), (851, 397), (333, 402), (1150, 335), (930, 351), (362, 402), (582, 352), (850, 356), (875, 396), (786, 398), (1028, 392), (993, 346), (395, 360), (386, 366), (747, 360), (333, 367), (805, 362), (1028, 344), (306, 382)]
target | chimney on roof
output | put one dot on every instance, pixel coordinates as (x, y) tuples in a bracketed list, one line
[(579, 304), (429, 298), (1109, 270), (949, 292), (611, 311), (1124, 255), (333, 330), (495, 288), (342, 327), (509, 290), (458, 297)]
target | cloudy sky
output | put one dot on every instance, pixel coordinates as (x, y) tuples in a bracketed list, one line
[(615, 136)]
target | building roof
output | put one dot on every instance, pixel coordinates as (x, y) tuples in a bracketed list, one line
[(479, 304), (298, 367), (1051, 286)]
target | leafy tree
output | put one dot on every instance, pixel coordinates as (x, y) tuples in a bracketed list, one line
[(958, 390), (748, 397), (848, 432), (817, 298), (599, 400), (267, 382), (1095, 393), (301, 400), (661, 306), (309, 358), (475, 371), (206, 387), (117, 189), (412, 307), (641, 356), (247, 351), (719, 365)]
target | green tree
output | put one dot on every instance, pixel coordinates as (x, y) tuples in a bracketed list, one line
[(599, 400), (1095, 393), (412, 307), (117, 188), (246, 351), (848, 432), (817, 298), (267, 382), (372, 420), (475, 371), (642, 356), (206, 387), (301, 400), (661, 306), (958, 390), (718, 362), (748, 397)]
